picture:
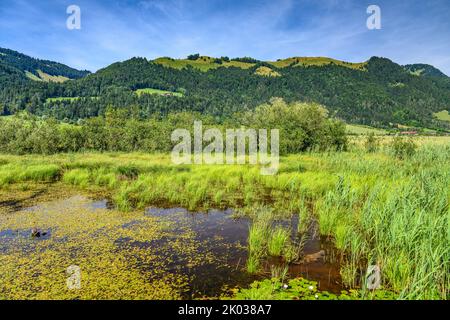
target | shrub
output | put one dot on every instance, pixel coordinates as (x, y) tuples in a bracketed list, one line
[(303, 126), (193, 56)]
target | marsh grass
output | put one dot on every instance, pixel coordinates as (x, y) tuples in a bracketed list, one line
[(253, 264), (401, 223), (304, 217), (14, 173), (259, 233), (278, 239), (128, 171), (377, 207), (77, 177), (257, 239)]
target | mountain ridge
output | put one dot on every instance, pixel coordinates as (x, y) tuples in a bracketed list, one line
[(39, 69), (427, 70), (377, 92), (207, 62)]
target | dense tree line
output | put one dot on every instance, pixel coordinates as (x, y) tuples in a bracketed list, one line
[(302, 127), (385, 93)]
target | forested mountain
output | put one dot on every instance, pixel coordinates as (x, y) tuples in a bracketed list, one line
[(36, 69), (425, 70), (378, 92)]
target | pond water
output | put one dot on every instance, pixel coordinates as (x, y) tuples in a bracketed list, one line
[(321, 260), (205, 251), (220, 236)]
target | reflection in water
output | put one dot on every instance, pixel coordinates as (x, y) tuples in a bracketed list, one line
[(209, 249), (226, 237), (221, 237), (320, 260)]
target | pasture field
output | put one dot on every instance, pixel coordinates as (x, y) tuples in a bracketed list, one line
[(353, 129), (266, 72), (203, 63), (317, 61), (443, 115), (45, 77), (59, 99), (374, 208), (157, 91), (32, 76), (49, 78), (384, 141)]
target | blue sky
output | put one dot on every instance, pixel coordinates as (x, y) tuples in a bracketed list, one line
[(412, 31)]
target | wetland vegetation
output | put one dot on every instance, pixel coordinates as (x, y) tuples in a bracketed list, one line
[(325, 217), (86, 180)]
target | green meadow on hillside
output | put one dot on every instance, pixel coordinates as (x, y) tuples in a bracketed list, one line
[(70, 99), (42, 76), (58, 99), (443, 115), (158, 92), (317, 61), (203, 63)]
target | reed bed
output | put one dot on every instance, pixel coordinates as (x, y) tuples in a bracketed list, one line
[(379, 209)]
